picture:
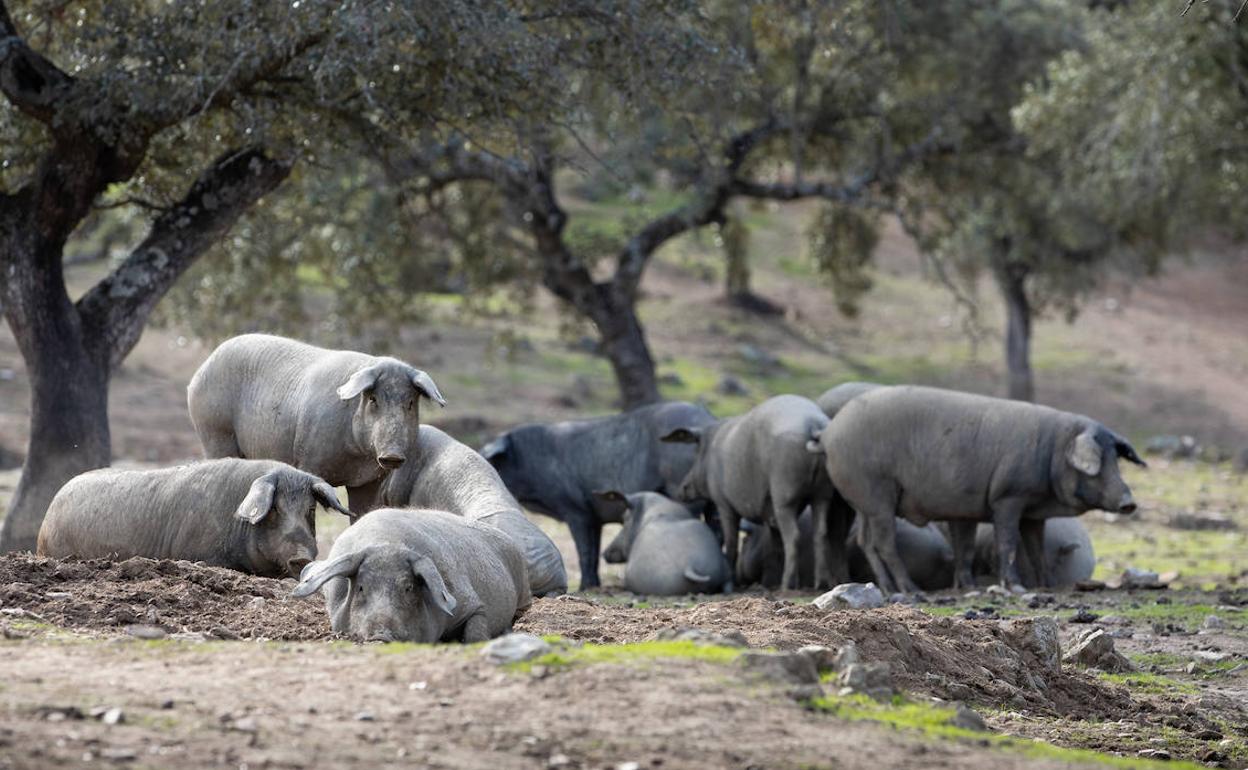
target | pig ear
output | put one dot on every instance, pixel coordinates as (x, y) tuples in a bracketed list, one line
[(610, 504), (259, 500), (683, 436), (425, 384), (318, 573), (1085, 454), (1127, 452), (497, 447), (328, 497), (358, 383), (424, 568)]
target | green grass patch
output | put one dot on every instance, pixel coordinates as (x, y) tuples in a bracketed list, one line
[(630, 653), (938, 722), (1173, 612), (1150, 684)]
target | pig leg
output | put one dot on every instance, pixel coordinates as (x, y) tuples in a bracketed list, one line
[(476, 629), (730, 522), (790, 534), (1032, 534), (962, 537), (365, 498), (587, 534), (831, 528), (1006, 515)]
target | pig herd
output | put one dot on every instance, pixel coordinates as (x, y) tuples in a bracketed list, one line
[(915, 488)]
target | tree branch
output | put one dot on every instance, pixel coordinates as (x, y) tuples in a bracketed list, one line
[(116, 309), (32, 83)]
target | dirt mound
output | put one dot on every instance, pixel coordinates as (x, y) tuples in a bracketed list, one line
[(1010, 664), (178, 596)]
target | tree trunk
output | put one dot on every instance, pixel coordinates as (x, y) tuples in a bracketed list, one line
[(68, 431), (1012, 279), (624, 343)]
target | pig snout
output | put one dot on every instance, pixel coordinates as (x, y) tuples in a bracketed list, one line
[(295, 565), (390, 460), (613, 556), (1127, 504)]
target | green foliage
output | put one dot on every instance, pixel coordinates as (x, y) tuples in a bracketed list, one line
[(841, 242)]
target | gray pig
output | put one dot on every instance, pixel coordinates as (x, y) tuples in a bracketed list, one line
[(927, 453), (924, 550), (555, 469), (445, 475), (255, 516), (834, 399), (345, 416), (669, 549), (1068, 554), (756, 467), (420, 576)]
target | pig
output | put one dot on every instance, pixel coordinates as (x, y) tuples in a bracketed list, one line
[(1068, 554), (411, 575), (344, 416), (256, 516), (924, 550), (927, 453), (669, 550), (833, 399), (445, 475), (555, 469), (756, 467)]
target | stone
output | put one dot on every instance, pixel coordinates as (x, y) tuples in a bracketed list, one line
[(1172, 447), (1210, 656), (1134, 577), (1082, 615), (730, 638), (365, 716), (824, 658), (780, 667), (1090, 585), (515, 648), (731, 386), (559, 760), (854, 596), (968, 719), (1095, 649), (628, 766), (1197, 521), (756, 356), (142, 631), (119, 754), (874, 680), (1159, 754), (1213, 623), (996, 589), (113, 716), (1038, 637)]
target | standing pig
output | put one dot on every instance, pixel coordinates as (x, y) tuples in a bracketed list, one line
[(255, 516), (669, 549), (555, 469), (927, 453), (345, 416), (445, 475), (834, 399), (1068, 554), (756, 467), (420, 576)]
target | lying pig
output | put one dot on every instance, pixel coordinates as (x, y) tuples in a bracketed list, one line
[(420, 576), (925, 551), (1068, 554), (445, 475), (927, 453), (256, 516), (669, 549)]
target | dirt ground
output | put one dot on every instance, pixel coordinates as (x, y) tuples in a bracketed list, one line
[(238, 674)]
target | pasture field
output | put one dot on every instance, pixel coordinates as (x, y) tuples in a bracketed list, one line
[(239, 675)]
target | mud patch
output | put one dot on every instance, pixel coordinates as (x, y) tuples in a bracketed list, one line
[(178, 596), (1001, 664)]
